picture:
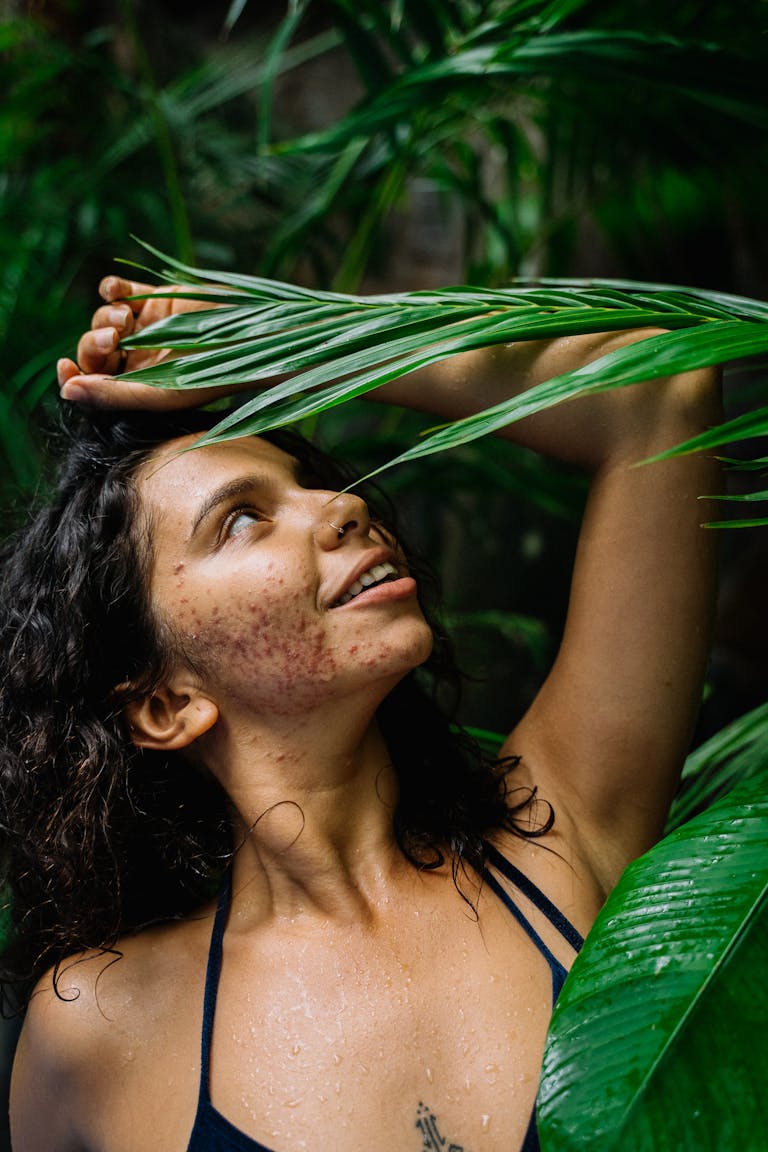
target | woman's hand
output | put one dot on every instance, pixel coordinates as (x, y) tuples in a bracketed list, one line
[(94, 380)]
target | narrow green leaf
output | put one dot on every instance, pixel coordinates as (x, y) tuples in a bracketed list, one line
[(737, 306), (234, 13), (746, 497), (657, 356), (759, 522), (275, 50), (759, 464), (360, 345), (742, 427)]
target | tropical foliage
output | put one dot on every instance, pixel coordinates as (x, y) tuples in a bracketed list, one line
[(486, 140), (658, 1040), (335, 348)]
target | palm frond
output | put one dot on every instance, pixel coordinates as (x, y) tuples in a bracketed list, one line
[(334, 347)]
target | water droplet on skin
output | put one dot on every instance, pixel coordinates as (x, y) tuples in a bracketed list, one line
[(337, 1058), (292, 1103), (485, 1123), (430, 1075), (295, 1049)]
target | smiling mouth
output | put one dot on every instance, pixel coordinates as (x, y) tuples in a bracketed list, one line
[(378, 574)]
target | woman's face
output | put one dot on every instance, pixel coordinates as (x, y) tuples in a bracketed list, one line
[(249, 572)]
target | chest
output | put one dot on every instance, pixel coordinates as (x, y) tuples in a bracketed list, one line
[(432, 1031), (389, 1049)]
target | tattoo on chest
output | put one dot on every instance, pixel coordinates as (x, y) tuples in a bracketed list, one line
[(432, 1141)]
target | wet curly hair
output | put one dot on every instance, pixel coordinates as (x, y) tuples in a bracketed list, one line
[(98, 837)]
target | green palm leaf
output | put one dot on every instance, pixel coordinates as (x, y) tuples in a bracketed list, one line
[(658, 1040), (333, 347), (592, 56)]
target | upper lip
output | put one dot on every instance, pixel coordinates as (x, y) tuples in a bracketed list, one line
[(368, 559)]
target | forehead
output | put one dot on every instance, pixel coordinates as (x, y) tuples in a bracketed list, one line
[(177, 479)]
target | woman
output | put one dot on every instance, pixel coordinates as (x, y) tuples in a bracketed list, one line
[(379, 967)]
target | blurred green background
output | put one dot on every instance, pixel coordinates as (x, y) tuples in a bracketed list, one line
[(376, 146)]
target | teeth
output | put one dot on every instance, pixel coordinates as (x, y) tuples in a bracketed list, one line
[(372, 576)]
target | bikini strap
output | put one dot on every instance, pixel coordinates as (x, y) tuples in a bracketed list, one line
[(556, 968), (213, 971), (536, 896)]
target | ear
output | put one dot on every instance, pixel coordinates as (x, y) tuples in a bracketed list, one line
[(167, 720)]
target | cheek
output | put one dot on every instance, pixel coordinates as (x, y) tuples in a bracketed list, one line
[(267, 648), (270, 649)]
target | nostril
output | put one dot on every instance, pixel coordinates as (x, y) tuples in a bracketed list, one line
[(342, 528)]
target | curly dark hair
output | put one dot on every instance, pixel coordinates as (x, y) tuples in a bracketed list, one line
[(99, 837)]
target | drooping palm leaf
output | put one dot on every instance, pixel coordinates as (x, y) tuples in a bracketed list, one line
[(658, 1040), (334, 347)]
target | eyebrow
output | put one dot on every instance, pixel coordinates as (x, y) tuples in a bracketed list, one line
[(239, 486)]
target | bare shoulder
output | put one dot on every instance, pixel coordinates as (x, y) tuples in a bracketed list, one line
[(85, 1016), (563, 874)]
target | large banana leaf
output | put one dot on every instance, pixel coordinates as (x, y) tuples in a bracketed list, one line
[(659, 1042), (334, 347), (736, 753)]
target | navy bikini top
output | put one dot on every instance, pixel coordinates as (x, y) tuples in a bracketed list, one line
[(212, 1132)]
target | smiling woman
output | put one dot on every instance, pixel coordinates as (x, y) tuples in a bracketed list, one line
[(210, 686)]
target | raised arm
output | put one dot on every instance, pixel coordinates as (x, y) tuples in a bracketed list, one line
[(607, 734)]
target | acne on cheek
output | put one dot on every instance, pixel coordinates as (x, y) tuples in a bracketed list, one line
[(273, 656)]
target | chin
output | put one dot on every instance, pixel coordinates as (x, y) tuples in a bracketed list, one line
[(419, 650)]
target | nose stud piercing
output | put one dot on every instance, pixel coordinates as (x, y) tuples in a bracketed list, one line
[(339, 531)]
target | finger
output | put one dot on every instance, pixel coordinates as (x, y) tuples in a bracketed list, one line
[(65, 370), (102, 391), (117, 316), (116, 288), (97, 351)]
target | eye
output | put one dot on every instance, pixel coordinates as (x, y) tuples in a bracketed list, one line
[(240, 521)]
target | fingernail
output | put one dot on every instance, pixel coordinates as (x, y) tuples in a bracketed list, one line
[(117, 316), (73, 392), (105, 339)]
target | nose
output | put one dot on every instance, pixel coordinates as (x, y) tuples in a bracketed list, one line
[(345, 514)]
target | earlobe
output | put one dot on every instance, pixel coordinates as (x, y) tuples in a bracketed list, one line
[(167, 721)]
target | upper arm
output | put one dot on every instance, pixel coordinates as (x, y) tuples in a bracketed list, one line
[(607, 734), (45, 1081)]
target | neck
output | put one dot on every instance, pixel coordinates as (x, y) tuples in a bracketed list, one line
[(312, 808)]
